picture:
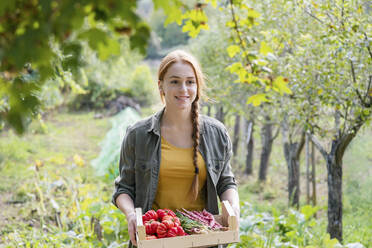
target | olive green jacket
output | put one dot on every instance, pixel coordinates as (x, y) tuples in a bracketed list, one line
[(140, 161)]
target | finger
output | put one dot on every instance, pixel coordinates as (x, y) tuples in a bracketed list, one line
[(133, 238), (133, 232)]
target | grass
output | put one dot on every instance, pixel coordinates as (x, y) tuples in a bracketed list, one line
[(66, 135)]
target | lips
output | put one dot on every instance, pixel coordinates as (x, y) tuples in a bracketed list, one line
[(182, 97)]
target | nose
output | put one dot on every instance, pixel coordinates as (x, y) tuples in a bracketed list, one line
[(183, 86)]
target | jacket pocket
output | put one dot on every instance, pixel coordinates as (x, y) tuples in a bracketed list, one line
[(216, 166), (143, 180), (142, 166)]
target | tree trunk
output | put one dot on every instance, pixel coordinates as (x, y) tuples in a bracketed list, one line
[(293, 164), (220, 114), (307, 160), (334, 197), (267, 143), (292, 151), (334, 169), (236, 134), (209, 110), (313, 174), (334, 173), (250, 146)]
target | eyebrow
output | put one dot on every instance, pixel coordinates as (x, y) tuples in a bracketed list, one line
[(179, 77)]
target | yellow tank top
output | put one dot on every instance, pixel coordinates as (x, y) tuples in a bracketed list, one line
[(176, 176)]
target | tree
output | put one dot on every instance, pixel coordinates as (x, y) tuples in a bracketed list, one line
[(30, 30), (332, 88)]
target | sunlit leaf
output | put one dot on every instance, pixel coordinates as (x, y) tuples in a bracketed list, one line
[(280, 84), (265, 49), (257, 99), (233, 50), (253, 14)]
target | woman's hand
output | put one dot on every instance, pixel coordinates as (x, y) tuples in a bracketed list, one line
[(231, 195), (125, 204), (132, 227)]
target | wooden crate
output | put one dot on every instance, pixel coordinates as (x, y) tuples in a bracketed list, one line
[(227, 219)]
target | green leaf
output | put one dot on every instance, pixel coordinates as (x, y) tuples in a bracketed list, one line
[(111, 48), (174, 14), (234, 68), (280, 85), (94, 36), (253, 14), (265, 49), (7, 6), (328, 242), (308, 211), (140, 38), (233, 50), (257, 99)]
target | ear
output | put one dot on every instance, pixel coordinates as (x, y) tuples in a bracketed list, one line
[(160, 85)]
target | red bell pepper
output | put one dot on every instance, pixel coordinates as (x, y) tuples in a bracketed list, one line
[(180, 231), (168, 223), (161, 230), (172, 232)]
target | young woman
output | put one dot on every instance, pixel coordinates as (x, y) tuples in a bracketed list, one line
[(176, 158)]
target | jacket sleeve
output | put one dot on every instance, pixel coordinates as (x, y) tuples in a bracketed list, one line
[(227, 179), (125, 183)]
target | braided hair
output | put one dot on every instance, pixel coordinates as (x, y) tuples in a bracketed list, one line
[(182, 56)]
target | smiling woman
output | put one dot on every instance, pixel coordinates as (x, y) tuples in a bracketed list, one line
[(178, 88), (176, 158)]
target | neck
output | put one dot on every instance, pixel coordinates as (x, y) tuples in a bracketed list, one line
[(176, 118)]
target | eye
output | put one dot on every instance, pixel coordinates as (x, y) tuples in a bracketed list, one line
[(190, 82), (173, 81)]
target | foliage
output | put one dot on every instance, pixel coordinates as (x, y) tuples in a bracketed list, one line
[(28, 39), (170, 35), (62, 203), (106, 80), (142, 86), (251, 53), (294, 229), (67, 210)]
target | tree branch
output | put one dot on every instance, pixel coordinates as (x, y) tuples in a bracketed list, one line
[(300, 145), (368, 48), (360, 97), (368, 94), (347, 138), (313, 16), (276, 135), (238, 32), (318, 145), (352, 71)]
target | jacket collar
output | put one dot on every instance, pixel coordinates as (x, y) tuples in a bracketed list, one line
[(156, 118)]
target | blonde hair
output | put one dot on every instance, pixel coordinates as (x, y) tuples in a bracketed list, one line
[(184, 57)]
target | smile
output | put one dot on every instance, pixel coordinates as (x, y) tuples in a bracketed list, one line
[(182, 97)]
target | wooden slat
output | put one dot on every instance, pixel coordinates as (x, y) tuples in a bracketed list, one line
[(228, 216), (141, 232)]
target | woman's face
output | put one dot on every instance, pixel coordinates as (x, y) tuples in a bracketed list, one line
[(179, 86)]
